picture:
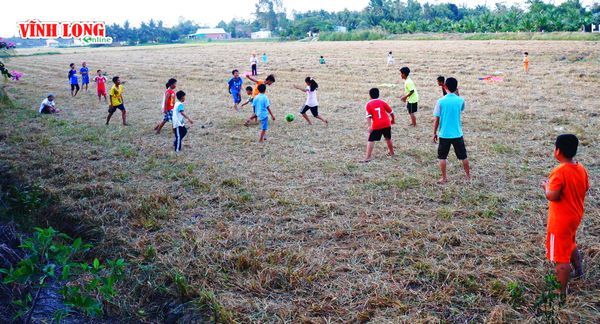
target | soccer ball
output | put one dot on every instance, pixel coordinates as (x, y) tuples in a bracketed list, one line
[(289, 117)]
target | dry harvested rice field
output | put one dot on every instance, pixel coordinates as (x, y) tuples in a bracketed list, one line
[(296, 229)]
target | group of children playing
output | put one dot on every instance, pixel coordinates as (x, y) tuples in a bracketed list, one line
[(565, 188)]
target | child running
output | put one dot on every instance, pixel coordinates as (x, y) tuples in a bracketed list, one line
[(268, 81), (101, 85), (85, 76), (253, 65), (235, 88), (565, 190), (167, 105), (179, 128), (116, 101), (312, 103), (411, 96), (249, 91), (379, 124), (526, 62), (262, 108), (447, 126), (73, 80)]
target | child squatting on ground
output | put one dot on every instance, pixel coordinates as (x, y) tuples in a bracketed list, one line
[(565, 190), (48, 106)]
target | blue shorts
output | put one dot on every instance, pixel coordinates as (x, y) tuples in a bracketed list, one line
[(236, 97), (264, 124), (168, 116)]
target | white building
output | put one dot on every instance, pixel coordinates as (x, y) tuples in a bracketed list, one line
[(261, 34)]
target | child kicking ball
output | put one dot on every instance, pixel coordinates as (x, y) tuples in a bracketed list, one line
[(312, 103)]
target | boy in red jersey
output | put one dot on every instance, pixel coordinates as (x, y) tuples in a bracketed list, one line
[(379, 123), (565, 190), (101, 83), (168, 104)]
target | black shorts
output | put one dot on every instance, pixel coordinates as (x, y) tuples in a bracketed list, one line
[(376, 134), (121, 107), (314, 110), (74, 86), (46, 110), (412, 107), (459, 148)]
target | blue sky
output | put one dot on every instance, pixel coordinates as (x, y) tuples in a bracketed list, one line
[(204, 12)]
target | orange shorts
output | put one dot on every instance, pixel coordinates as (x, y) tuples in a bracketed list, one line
[(559, 249)]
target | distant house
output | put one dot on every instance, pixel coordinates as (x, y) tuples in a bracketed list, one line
[(210, 33), (341, 29), (261, 34), (52, 43)]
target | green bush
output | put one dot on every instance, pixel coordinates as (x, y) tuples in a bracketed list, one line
[(356, 35)]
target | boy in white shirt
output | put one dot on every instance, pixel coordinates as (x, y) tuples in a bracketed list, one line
[(179, 117), (48, 106)]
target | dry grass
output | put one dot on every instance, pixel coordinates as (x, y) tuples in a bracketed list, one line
[(296, 230)]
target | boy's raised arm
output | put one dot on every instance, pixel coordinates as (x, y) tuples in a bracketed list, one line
[(251, 79)]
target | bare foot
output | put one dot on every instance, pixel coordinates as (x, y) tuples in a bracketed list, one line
[(442, 181), (365, 161)]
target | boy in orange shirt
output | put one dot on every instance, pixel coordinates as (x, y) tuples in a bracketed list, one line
[(526, 62), (565, 190)]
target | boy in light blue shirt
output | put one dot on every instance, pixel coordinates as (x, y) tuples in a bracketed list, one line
[(447, 127), (262, 110)]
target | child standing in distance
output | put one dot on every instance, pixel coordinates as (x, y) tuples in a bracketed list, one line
[(101, 85), (312, 103), (411, 96), (379, 123), (249, 94), (179, 128), (321, 60), (116, 101), (167, 105), (565, 190), (526, 62), (85, 76), (390, 58), (447, 126), (262, 108), (73, 80), (253, 64), (268, 81), (235, 87), (264, 58), (48, 106)]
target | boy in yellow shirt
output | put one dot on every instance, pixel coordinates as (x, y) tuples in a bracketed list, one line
[(116, 101), (411, 96)]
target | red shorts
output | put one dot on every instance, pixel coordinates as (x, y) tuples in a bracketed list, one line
[(102, 92), (559, 249)]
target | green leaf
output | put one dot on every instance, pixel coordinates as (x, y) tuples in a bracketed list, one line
[(96, 263)]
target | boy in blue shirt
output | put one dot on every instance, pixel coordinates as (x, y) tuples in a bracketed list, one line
[(85, 76), (447, 126), (262, 110), (73, 80), (235, 87)]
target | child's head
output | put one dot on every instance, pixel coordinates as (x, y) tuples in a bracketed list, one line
[(249, 90), (321, 56), (171, 84), (311, 83), (235, 73), (50, 97), (390, 52), (99, 72), (262, 88), (270, 79), (83, 64), (72, 65), (452, 84), (374, 93), (526, 53), (180, 95), (116, 80), (404, 72), (566, 147), (254, 54), (441, 80)]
